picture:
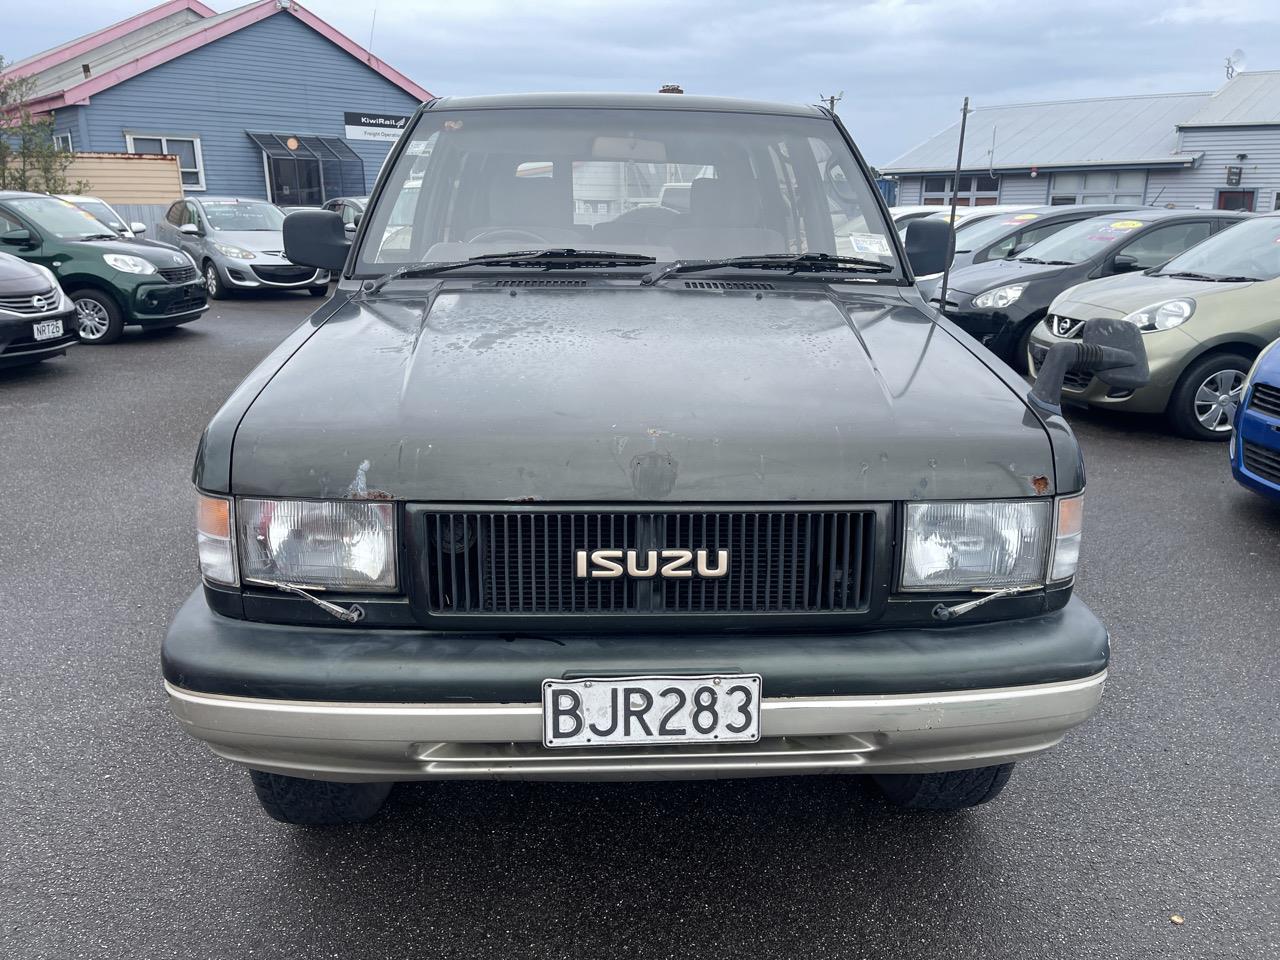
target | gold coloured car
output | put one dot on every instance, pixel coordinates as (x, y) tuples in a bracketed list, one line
[(1205, 315)]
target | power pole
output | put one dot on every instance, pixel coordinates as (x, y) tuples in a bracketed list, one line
[(832, 100)]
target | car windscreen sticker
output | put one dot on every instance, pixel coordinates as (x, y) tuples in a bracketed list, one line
[(1126, 225), (871, 243), (1025, 216)]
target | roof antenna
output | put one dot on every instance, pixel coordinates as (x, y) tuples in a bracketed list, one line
[(955, 184), (1235, 63)]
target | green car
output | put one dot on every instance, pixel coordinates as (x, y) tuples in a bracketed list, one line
[(112, 281), (1205, 315)]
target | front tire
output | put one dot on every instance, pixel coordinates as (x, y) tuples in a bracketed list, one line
[(952, 790), (98, 317), (316, 803), (213, 281), (1203, 404), (319, 291)]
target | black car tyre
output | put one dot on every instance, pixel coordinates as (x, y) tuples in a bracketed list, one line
[(1203, 404), (952, 790), (213, 281), (317, 803), (318, 291), (98, 317)]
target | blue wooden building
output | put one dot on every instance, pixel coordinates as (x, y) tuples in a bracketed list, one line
[(265, 100)]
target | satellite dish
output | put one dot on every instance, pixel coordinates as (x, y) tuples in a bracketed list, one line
[(1235, 63)]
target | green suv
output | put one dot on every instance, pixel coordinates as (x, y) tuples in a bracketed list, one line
[(112, 281)]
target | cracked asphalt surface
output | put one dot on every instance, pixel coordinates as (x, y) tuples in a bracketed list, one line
[(123, 838)]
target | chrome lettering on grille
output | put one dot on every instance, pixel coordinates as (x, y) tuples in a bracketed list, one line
[(605, 564)]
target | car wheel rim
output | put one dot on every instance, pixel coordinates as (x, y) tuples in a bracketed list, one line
[(93, 319), (1217, 398), (211, 278)]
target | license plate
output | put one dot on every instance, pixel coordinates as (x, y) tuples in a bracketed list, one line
[(47, 330), (631, 711)]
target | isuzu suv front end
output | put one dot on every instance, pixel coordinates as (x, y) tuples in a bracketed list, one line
[(564, 484)]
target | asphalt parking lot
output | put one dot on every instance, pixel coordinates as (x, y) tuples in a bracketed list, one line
[(123, 838)]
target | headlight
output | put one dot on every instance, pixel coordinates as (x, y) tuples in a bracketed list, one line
[(128, 264), (964, 545), (213, 540), (333, 545), (1163, 316), (1000, 297), (238, 253)]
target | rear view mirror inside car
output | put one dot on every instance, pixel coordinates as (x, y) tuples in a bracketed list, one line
[(628, 148)]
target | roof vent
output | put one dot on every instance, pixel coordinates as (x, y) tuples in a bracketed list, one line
[(726, 285)]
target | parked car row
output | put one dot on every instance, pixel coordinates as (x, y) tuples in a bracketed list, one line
[(74, 270)]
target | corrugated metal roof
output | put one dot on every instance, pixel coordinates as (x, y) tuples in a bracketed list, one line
[(1063, 133), (1247, 98), (126, 48)]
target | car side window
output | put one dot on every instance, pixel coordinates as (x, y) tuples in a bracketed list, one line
[(1163, 243), (191, 215), (174, 214), (8, 223)]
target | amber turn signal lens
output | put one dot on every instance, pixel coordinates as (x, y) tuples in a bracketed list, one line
[(213, 517)]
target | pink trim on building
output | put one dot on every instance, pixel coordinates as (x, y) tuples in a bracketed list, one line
[(57, 55), (81, 92)]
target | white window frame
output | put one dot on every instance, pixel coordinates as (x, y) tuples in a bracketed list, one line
[(964, 198), (1101, 195), (64, 141), (164, 139)]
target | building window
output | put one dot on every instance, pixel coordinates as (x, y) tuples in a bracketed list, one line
[(1235, 200), (186, 149), (62, 141), (971, 191), (1123, 186)]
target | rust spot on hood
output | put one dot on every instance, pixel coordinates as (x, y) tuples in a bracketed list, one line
[(1040, 484)]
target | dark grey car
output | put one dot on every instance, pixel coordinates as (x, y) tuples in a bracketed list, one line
[(563, 483)]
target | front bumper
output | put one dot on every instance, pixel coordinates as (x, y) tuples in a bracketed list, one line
[(159, 304), (1259, 433), (19, 346), (345, 704), (260, 274)]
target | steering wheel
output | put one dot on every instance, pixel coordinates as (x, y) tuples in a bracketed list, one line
[(509, 233)]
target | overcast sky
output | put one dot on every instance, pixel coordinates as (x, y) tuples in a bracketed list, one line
[(904, 65)]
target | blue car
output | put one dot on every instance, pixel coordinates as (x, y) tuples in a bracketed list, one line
[(1255, 444)]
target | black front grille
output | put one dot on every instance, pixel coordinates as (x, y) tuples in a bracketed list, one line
[(179, 274), (1262, 461), (1065, 326), (185, 305), (1265, 399), (24, 303), (520, 563), (284, 274)]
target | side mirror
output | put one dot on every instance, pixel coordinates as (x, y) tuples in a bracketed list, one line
[(1123, 263), (1112, 349), (930, 245), (16, 238), (190, 229), (138, 227), (316, 238)]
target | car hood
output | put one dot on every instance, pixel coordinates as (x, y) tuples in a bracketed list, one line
[(17, 276), (979, 277), (480, 393), (259, 241), (1127, 292)]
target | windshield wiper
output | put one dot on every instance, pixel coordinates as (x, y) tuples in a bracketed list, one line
[(1030, 260), (101, 236), (791, 262), (557, 258), (1208, 277)]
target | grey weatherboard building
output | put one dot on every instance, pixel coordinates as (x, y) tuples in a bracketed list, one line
[(1205, 150), (255, 102)]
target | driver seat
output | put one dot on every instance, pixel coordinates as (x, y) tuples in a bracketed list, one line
[(529, 205)]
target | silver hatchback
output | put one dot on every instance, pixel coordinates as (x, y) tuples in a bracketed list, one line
[(238, 245)]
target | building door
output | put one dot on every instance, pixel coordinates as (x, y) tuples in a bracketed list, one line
[(295, 181), (1236, 200)]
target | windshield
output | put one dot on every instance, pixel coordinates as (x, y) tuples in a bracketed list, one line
[(1251, 248), (243, 215), (101, 211), (64, 220), (1082, 241), (978, 235), (673, 185)]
